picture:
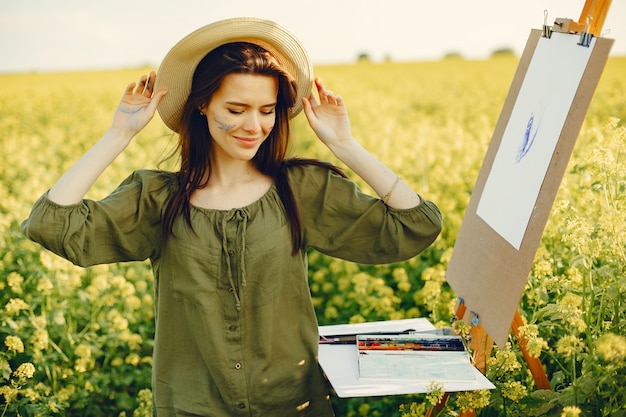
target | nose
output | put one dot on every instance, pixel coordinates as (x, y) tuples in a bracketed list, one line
[(252, 123)]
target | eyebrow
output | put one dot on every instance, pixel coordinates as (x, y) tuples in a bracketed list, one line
[(235, 103)]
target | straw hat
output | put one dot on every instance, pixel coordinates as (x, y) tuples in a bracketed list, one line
[(176, 71)]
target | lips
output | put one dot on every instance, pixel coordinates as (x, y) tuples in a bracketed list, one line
[(249, 142)]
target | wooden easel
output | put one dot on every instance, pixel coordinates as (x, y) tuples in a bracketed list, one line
[(591, 19), (590, 22), (481, 345)]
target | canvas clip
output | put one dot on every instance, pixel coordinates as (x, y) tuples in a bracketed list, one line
[(547, 30), (475, 320), (585, 36)]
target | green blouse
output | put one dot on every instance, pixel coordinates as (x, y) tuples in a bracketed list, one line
[(236, 332)]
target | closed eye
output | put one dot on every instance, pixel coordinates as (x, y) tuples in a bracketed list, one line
[(265, 112)]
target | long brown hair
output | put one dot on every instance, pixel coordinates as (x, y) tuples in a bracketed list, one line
[(195, 143)]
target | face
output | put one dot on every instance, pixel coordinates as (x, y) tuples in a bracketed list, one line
[(241, 114)]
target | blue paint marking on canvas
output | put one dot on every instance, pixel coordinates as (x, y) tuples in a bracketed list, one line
[(529, 138)]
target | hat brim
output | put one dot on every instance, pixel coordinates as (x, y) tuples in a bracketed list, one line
[(176, 71)]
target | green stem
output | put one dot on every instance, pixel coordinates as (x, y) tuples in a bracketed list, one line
[(6, 406), (588, 311), (574, 379), (556, 360)]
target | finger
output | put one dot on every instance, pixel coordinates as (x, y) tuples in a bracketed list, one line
[(318, 84), (155, 100), (307, 106), (130, 87), (312, 100), (141, 86), (331, 98), (150, 84), (327, 96)]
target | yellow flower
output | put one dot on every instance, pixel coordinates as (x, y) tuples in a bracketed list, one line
[(24, 371), (534, 344), (44, 284), (542, 268), (503, 361), (117, 321), (435, 392), (401, 277), (14, 306), (569, 306), (15, 280), (39, 340), (82, 351), (141, 286), (413, 410), (39, 322), (133, 302), (569, 346), (571, 411), (462, 329), (31, 394), (65, 393), (117, 281), (133, 339), (611, 347), (473, 400), (53, 406), (145, 404), (514, 390), (14, 343), (83, 360), (569, 303), (132, 359), (9, 393)]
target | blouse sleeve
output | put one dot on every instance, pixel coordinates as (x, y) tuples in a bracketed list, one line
[(125, 226), (341, 221)]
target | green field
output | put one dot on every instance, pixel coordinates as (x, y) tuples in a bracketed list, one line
[(77, 342)]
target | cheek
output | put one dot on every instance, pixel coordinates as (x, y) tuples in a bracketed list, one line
[(222, 124), (268, 125)]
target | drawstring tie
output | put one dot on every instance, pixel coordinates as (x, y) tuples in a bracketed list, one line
[(241, 216)]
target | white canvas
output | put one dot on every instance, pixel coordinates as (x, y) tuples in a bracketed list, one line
[(531, 135)]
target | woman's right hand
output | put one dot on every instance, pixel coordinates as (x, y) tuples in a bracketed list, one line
[(137, 106)]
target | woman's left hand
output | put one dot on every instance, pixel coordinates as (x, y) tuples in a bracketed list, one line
[(329, 117)]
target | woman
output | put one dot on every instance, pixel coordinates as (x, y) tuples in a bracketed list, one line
[(227, 235)]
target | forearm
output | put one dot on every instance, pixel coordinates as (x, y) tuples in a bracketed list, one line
[(74, 184), (379, 177)]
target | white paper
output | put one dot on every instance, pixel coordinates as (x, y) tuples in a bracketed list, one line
[(340, 364), (531, 135), (416, 366)]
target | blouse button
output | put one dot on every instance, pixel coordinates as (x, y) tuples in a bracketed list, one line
[(232, 327), (231, 253), (231, 290), (237, 365), (241, 405)]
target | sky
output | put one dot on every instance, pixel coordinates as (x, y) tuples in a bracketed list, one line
[(76, 35)]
